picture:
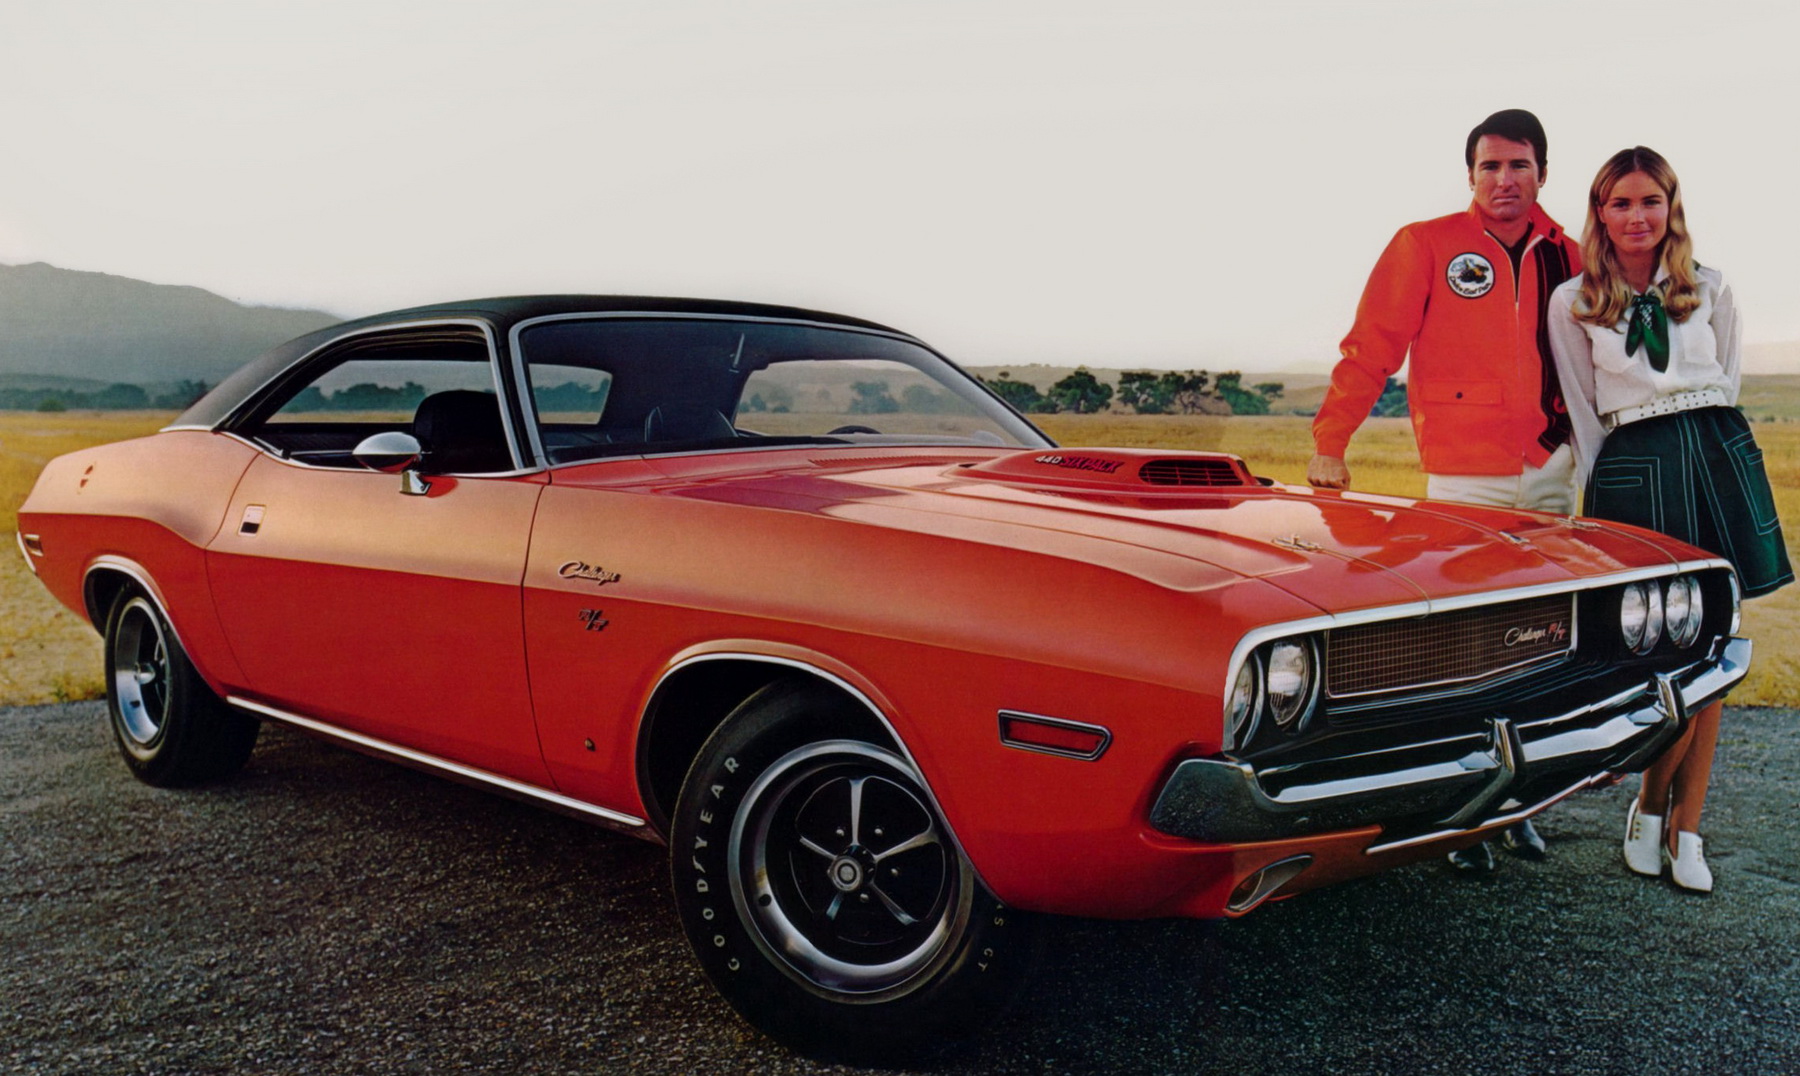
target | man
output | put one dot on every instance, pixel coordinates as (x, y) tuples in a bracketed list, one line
[(1465, 295)]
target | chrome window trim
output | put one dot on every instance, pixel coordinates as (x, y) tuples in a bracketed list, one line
[(287, 462), (528, 404), (1325, 621), (302, 360), (520, 788), (495, 368), (854, 692)]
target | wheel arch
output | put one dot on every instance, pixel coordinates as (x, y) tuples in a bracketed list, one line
[(698, 692), (109, 575)]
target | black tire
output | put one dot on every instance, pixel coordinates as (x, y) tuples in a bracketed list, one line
[(865, 939), (171, 729)]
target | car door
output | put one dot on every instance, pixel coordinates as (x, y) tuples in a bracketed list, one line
[(387, 604)]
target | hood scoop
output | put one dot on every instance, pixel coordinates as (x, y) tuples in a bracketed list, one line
[(1118, 469)]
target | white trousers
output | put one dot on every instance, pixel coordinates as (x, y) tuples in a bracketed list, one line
[(1550, 488)]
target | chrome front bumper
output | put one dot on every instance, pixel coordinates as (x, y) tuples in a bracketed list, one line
[(1438, 789)]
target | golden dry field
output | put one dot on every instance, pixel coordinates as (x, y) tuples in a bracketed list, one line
[(47, 653)]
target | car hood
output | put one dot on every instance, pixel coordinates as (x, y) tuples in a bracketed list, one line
[(1185, 519)]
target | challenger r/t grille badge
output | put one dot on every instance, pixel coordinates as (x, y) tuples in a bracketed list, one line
[(576, 569)]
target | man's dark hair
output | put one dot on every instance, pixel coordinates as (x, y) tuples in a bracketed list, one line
[(1514, 125)]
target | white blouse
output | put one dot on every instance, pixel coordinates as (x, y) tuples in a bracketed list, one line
[(1705, 352)]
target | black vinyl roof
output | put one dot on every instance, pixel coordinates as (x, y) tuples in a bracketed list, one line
[(502, 313)]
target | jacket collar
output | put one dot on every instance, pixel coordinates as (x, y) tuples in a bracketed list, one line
[(1541, 224)]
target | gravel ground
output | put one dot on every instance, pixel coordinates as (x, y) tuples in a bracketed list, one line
[(324, 913)]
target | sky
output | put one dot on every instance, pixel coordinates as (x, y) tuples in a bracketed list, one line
[(1129, 183)]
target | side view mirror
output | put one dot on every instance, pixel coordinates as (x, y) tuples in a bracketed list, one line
[(393, 452)]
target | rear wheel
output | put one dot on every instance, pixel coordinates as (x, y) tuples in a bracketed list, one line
[(823, 894), (170, 727)]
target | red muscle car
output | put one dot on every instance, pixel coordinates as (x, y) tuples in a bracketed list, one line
[(885, 668)]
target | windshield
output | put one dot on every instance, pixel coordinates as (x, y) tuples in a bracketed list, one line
[(606, 386)]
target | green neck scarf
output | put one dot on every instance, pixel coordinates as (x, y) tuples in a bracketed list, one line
[(1649, 328)]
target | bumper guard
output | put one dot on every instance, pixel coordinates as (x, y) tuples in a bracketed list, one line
[(1220, 800)]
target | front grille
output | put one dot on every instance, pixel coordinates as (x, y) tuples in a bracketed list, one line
[(1447, 648), (1192, 472)]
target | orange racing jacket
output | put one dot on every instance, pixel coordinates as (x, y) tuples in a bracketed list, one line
[(1482, 388)]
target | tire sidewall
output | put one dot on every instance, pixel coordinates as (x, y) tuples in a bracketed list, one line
[(961, 982), (199, 738), (149, 761)]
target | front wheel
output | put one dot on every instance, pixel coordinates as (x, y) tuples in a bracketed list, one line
[(823, 894), (170, 727)]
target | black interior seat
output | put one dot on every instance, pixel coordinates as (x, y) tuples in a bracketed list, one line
[(462, 433), (686, 422)]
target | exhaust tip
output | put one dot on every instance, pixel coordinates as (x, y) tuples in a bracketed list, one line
[(1265, 883)]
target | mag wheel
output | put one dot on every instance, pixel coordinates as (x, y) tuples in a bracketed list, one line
[(822, 892), (170, 727)]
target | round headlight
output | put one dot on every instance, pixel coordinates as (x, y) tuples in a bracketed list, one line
[(1634, 616), (1240, 709), (1290, 683), (1682, 610), (1653, 622)]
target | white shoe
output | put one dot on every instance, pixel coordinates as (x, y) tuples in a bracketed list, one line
[(1688, 868), (1643, 841)]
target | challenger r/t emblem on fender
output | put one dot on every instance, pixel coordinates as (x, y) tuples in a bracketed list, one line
[(592, 618), (576, 569)]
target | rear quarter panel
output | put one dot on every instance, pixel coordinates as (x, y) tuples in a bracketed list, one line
[(149, 505)]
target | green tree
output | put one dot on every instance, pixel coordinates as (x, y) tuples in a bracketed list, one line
[(872, 398), (1081, 392), (1229, 387), (1392, 402), (1022, 395), (921, 400), (184, 395), (1140, 391), (119, 396), (1186, 390)]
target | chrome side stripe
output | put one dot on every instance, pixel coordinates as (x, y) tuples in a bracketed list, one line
[(457, 769)]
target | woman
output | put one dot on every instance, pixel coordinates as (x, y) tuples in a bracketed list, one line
[(1647, 345)]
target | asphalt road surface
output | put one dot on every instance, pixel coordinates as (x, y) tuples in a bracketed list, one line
[(324, 912)]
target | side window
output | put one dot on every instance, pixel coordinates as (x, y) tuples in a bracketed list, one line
[(439, 387), (568, 395)]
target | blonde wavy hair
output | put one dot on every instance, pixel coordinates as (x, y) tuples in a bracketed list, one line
[(1605, 297)]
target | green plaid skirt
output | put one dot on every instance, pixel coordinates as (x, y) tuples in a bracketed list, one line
[(1697, 476)]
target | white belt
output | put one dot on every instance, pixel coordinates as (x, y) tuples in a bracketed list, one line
[(1665, 405)]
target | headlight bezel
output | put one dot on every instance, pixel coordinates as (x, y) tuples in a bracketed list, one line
[(1243, 705), (1253, 708)]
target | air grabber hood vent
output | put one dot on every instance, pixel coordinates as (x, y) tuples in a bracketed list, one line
[(1118, 469)]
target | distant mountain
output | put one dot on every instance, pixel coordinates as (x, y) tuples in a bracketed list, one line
[(64, 323)]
